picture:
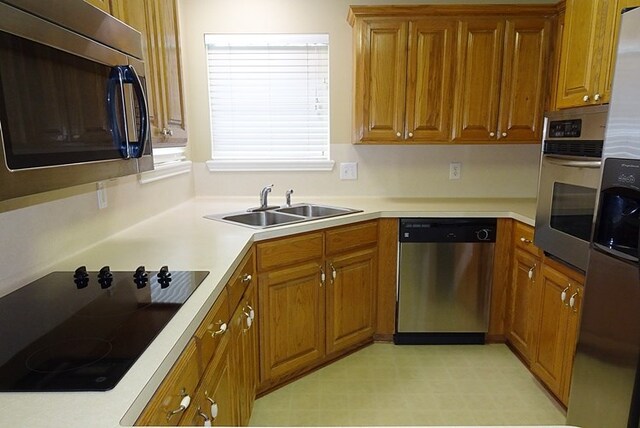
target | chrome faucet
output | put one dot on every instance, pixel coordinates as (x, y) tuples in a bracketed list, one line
[(264, 193), (287, 197)]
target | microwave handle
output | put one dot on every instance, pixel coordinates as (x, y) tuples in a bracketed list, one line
[(136, 148), (573, 163), (114, 86)]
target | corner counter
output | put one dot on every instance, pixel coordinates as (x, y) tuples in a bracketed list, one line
[(182, 239)]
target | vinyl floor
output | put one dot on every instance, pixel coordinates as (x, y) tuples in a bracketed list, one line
[(388, 385)]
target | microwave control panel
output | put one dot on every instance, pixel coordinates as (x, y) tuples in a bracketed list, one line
[(565, 128)]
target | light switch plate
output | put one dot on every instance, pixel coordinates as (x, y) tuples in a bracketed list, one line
[(349, 171)]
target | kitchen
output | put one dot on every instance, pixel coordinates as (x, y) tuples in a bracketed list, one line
[(38, 229)]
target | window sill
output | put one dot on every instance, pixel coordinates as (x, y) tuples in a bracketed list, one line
[(292, 165), (165, 170)]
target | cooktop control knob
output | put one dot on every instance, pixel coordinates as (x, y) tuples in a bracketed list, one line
[(81, 277), (482, 234), (164, 277), (105, 277), (141, 277)]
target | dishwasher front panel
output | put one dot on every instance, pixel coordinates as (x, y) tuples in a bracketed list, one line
[(444, 287)]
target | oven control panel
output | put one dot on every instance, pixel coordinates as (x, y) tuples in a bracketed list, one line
[(570, 128)]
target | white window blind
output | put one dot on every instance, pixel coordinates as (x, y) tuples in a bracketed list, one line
[(269, 99)]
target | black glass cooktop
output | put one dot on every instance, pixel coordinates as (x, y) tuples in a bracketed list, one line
[(82, 331)]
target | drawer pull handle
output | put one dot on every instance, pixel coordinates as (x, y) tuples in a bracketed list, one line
[(525, 240), (184, 404), (222, 330), (246, 278)]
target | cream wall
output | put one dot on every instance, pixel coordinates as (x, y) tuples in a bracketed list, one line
[(504, 171)]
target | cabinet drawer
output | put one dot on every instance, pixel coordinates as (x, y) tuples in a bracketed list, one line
[(350, 237), (211, 331), (289, 251), (523, 238), (182, 379), (241, 279)]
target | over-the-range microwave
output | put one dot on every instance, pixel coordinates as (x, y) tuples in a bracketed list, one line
[(73, 107)]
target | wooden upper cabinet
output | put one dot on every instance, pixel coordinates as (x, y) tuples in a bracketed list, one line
[(442, 74), (524, 79), (157, 21), (381, 81), (432, 47), (479, 79), (581, 53)]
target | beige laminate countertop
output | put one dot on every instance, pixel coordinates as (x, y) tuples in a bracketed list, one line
[(182, 239)]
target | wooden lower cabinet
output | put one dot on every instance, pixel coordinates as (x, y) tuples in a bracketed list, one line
[(351, 297), (214, 400), (558, 314), (291, 305), (521, 298), (316, 309)]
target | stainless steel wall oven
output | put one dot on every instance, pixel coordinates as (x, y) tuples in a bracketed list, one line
[(569, 178), (72, 100)]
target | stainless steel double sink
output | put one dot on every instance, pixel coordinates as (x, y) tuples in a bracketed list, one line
[(297, 213)]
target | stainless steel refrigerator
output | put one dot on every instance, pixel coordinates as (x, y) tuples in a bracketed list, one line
[(605, 387)]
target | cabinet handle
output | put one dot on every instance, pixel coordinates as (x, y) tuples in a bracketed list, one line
[(398, 134), (323, 277), (246, 278), (184, 403), (531, 270), (525, 240), (334, 273), (572, 301), (504, 134), (410, 134), (214, 405), (596, 97), (204, 416), (563, 295), (221, 330), (492, 134), (585, 98), (252, 313)]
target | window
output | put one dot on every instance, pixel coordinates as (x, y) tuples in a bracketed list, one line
[(269, 101)]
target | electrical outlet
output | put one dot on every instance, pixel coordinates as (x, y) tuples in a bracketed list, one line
[(455, 170), (102, 194), (349, 171)]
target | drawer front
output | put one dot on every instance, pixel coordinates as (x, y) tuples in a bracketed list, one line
[(348, 238), (214, 327), (242, 277), (289, 251), (164, 407), (523, 238)]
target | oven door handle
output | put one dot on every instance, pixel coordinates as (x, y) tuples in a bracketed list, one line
[(573, 163)]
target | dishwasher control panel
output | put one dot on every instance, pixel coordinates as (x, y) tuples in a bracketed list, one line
[(448, 230)]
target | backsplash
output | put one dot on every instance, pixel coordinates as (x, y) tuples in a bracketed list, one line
[(47, 228)]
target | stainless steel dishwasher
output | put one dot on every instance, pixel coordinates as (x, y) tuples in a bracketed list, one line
[(444, 280)]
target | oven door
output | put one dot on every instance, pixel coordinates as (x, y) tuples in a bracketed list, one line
[(566, 206)]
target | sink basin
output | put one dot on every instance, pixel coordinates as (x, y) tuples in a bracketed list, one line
[(259, 219), (281, 216), (310, 210)]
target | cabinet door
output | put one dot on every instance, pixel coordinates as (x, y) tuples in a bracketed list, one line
[(520, 310), (247, 348), (291, 306), (351, 289), (478, 80), (381, 55), (579, 68), (571, 340), (548, 359), (101, 4), (524, 77), (215, 391), (432, 47), (138, 15)]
